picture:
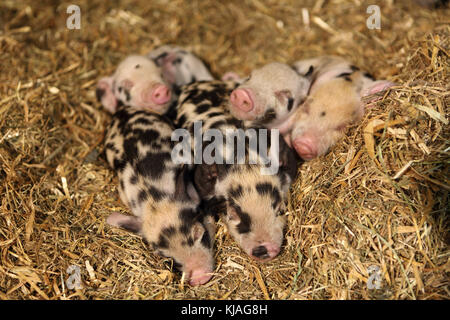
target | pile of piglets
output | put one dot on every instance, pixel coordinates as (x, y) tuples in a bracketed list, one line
[(175, 206)]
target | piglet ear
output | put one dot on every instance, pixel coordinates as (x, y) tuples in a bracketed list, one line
[(205, 178), (105, 94), (288, 159), (283, 95), (232, 214), (197, 231), (168, 68), (184, 187), (181, 184), (130, 223), (375, 87)]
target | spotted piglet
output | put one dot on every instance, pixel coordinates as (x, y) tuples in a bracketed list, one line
[(137, 82), (252, 203), (334, 101), (164, 203), (269, 96)]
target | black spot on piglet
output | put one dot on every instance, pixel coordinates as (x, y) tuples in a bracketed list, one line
[(169, 231), (368, 75), (245, 220), (264, 188), (290, 104), (345, 75), (153, 164), (162, 243)]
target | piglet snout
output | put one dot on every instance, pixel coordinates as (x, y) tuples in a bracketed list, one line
[(266, 251), (305, 147), (159, 94), (241, 99), (199, 276)]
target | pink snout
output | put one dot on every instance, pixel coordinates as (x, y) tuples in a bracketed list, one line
[(199, 276), (265, 251), (159, 94), (241, 99), (306, 147)]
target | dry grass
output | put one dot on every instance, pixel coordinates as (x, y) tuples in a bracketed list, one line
[(379, 198)]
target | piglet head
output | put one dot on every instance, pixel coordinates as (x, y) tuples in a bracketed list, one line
[(320, 122), (176, 227), (259, 234), (137, 82), (176, 230), (179, 66), (254, 212), (269, 95)]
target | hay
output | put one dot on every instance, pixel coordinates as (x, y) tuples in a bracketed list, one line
[(379, 198)]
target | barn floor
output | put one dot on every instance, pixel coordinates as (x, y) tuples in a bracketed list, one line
[(377, 201)]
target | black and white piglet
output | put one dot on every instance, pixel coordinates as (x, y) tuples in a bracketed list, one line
[(164, 203), (253, 203)]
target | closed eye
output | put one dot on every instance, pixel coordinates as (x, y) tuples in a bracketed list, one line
[(281, 210)]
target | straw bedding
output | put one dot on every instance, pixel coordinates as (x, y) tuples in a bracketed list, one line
[(378, 199)]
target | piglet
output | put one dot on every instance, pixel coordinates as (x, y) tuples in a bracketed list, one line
[(179, 66), (269, 96), (252, 203), (137, 82), (334, 101), (164, 203)]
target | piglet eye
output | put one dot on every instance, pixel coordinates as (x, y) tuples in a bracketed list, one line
[(177, 265), (281, 211), (137, 66), (322, 114)]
